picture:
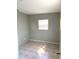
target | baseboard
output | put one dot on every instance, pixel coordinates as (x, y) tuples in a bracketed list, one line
[(44, 41)]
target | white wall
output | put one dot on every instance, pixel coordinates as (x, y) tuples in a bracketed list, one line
[(28, 28), (23, 28), (52, 34)]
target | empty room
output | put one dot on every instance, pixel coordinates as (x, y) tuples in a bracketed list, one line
[(38, 27)]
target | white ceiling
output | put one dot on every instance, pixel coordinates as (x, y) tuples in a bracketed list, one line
[(38, 6)]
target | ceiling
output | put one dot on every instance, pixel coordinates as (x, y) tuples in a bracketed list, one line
[(38, 6)]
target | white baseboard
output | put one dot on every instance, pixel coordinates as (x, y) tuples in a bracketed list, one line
[(44, 41)]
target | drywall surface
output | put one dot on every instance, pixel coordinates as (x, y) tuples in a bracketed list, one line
[(22, 28), (50, 35)]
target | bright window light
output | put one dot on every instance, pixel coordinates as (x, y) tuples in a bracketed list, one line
[(43, 24)]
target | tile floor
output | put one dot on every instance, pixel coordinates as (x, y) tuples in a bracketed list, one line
[(38, 50)]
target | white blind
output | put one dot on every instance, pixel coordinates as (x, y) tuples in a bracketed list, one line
[(43, 24)]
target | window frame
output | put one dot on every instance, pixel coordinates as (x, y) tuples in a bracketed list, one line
[(43, 21)]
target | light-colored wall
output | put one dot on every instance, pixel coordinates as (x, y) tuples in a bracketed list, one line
[(22, 28), (50, 35)]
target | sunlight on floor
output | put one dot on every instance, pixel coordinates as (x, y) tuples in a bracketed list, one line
[(42, 53)]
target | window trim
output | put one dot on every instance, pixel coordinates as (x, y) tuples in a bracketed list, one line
[(42, 28)]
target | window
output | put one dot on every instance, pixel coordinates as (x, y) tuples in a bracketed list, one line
[(43, 24)]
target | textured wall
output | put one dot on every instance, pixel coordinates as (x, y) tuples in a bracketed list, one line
[(23, 28), (50, 35)]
